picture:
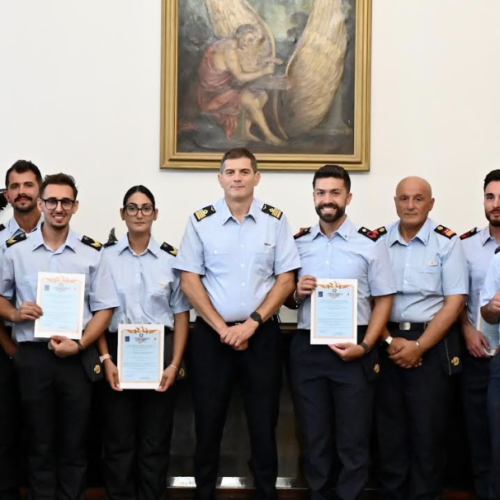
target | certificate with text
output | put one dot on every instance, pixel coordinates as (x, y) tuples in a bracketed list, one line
[(334, 309), (140, 356), (61, 297)]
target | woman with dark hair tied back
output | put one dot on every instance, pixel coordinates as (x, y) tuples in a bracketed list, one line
[(138, 423)]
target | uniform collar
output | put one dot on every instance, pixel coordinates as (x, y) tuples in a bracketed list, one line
[(343, 231), (423, 235), (14, 229), (225, 213), (485, 235), (153, 247), (36, 239)]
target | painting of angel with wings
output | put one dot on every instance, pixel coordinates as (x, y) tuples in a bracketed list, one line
[(289, 79)]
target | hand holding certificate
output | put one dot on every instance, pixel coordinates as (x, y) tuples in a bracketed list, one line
[(140, 356), (61, 297), (334, 312)]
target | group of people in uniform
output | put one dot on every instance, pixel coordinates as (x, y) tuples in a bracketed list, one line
[(421, 292)]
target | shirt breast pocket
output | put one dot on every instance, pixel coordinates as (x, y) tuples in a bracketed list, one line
[(28, 288), (158, 297), (429, 279), (217, 261), (264, 262)]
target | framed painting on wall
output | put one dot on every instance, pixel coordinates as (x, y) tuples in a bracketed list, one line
[(287, 79)]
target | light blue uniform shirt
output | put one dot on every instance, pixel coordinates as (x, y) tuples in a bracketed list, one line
[(12, 229), (426, 269), (22, 262), (479, 249), (238, 262), (148, 287), (346, 255)]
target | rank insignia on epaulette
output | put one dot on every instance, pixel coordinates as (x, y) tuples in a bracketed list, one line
[(445, 232), (204, 212), (275, 212), (2, 227), (468, 234), (91, 243), (15, 239), (109, 244), (303, 231), (169, 249), (373, 235)]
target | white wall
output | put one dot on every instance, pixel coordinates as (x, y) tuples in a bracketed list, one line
[(80, 93)]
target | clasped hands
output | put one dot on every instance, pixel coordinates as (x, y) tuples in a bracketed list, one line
[(237, 335), (405, 353)]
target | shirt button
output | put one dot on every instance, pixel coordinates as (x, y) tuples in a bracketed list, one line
[(243, 284), (242, 246), (215, 251), (242, 265), (327, 262), (405, 281), (407, 265), (242, 303)]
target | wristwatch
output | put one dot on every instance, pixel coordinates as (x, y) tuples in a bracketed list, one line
[(365, 346), (257, 317), (387, 341), (80, 346)]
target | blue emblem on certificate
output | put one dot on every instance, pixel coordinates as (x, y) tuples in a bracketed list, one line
[(334, 311)]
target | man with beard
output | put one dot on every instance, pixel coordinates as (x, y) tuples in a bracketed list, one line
[(22, 181), (335, 383), (54, 388), (479, 247), (422, 345)]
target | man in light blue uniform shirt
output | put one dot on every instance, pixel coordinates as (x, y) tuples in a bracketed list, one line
[(237, 258), (479, 247), (22, 182), (432, 282), (55, 390), (334, 383)]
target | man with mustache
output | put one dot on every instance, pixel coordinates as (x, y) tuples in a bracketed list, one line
[(479, 247), (335, 383), (421, 346), (22, 182)]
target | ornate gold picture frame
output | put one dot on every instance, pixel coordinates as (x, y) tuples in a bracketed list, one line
[(288, 80)]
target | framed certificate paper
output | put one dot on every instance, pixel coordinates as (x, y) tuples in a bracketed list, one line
[(140, 356), (334, 309), (61, 298)]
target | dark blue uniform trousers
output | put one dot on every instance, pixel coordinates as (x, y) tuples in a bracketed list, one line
[(328, 390)]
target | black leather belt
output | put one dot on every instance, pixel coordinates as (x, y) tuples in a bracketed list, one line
[(406, 326)]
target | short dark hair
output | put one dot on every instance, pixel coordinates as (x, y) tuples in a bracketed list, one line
[(335, 171), (493, 176), (235, 153), (61, 180), (139, 189), (22, 166)]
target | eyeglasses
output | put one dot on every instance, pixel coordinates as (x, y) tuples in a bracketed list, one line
[(132, 210), (66, 203)]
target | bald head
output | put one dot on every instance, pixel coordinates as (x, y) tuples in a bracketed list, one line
[(414, 184), (413, 201)]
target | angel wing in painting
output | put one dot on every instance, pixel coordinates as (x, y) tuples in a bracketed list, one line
[(238, 84)]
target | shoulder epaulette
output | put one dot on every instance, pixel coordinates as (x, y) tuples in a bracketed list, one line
[(204, 212), (468, 234), (15, 239), (372, 235), (91, 243), (109, 244), (274, 212), (169, 249), (303, 231), (2, 227), (445, 231)]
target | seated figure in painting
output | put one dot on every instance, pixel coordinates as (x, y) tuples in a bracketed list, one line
[(223, 89)]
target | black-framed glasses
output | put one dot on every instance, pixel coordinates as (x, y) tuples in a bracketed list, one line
[(66, 203), (132, 209)]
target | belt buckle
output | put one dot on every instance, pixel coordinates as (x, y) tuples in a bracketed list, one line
[(405, 325)]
